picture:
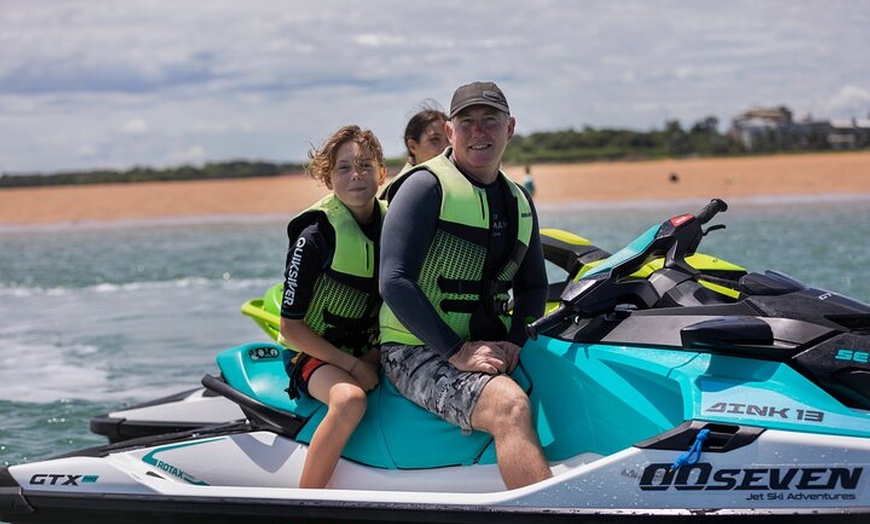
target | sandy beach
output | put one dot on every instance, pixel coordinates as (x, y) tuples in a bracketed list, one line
[(730, 178)]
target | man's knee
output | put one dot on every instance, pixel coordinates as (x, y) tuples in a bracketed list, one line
[(503, 405), (516, 406)]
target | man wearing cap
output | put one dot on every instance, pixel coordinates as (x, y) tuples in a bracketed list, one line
[(459, 235)]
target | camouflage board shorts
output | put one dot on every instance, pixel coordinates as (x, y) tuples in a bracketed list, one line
[(432, 383)]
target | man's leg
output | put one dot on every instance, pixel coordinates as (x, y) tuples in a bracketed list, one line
[(504, 412)]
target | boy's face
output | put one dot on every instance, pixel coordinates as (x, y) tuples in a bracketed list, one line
[(355, 177)]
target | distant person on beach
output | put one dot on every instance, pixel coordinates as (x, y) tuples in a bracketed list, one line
[(425, 137), (529, 182), (459, 236), (330, 302)]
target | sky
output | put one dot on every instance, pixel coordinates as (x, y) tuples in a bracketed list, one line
[(113, 84)]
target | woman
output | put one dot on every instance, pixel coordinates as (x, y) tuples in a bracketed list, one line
[(425, 137)]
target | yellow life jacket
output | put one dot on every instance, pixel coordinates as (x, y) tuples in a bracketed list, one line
[(452, 275), (345, 301)]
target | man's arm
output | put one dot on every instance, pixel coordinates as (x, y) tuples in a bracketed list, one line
[(530, 286), (409, 228)]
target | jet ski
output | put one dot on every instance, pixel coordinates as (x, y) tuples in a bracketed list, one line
[(570, 254), (655, 399)]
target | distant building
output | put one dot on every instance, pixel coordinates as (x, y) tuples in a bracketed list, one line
[(761, 125), (775, 128), (849, 134)]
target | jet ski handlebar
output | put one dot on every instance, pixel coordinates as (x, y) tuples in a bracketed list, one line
[(605, 286), (712, 209)]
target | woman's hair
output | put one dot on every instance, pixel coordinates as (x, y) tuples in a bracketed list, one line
[(420, 121), (322, 160)]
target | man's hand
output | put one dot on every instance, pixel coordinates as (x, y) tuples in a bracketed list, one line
[(511, 354), (486, 357)]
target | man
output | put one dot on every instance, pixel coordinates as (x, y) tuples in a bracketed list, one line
[(458, 236)]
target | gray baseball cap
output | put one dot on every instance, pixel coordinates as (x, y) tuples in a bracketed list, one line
[(478, 93)]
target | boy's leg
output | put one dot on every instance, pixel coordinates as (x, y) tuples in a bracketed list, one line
[(346, 405)]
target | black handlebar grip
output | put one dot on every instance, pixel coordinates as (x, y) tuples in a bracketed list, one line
[(715, 207), (547, 322)]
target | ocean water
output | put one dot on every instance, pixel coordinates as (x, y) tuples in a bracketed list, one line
[(95, 317)]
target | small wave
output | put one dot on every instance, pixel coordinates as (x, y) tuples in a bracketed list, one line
[(37, 369), (148, 222), (824, 198), (225, 282), (33, 370), (700, 201)]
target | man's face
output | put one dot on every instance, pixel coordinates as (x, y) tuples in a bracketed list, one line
[(479, 135)]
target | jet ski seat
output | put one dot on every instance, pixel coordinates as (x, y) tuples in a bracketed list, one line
[(395, 433), (570, 253)]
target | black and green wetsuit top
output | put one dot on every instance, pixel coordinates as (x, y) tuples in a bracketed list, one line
[(453, 248), (331, 274)]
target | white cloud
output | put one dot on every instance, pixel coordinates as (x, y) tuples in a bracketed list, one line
[(379, 40), (194, 155), (136, 126), (86, 152), (265, 79), (852, 100)]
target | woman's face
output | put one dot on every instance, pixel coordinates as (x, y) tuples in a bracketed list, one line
[(432, 142)]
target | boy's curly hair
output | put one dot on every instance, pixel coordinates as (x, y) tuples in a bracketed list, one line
[(322, 160)]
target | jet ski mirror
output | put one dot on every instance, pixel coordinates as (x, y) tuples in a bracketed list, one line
[(710, 229)]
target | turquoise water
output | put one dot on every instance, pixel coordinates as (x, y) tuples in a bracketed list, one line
[(96, 317)]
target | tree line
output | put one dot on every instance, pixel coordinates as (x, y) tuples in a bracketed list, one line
[(590, 144), (217, 170), (586, 145)]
